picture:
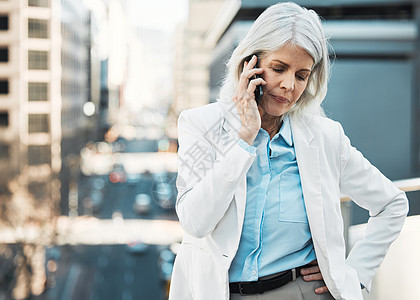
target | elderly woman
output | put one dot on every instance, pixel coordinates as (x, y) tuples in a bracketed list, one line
[(259, 184)]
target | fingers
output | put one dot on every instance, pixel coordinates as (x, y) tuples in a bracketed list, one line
[(244, 98), (247, 73), (316, 277), (311, 277), (314, 273), (253, 84), (248, 77), (310, 270), (249, 65), (311, 273), (321, 290)]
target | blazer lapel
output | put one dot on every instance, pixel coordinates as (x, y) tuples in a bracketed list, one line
[(231, 124), (232, 120), (310, 174)]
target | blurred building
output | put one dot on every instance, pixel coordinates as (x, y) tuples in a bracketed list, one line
[(373, 90), (45, 80), (149, 85), (118, 38), (111, 37), (192, 59)]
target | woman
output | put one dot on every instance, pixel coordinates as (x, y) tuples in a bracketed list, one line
[(259, 185)]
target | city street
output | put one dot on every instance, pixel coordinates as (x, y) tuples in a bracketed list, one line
[(106, 272), (118, 271)]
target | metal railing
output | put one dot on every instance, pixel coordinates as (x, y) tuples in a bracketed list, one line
[(406, 185)]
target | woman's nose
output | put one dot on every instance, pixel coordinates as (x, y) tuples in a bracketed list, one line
[(288, 82)]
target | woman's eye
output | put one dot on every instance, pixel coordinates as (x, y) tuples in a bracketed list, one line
[(277, 70), (301, 77)]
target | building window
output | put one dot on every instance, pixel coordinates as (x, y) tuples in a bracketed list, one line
[(4, 54), (4, 86), (4, 119), (38, 190), (4, 151), (38, 155), (4, 22), (38, 123), (37, 28), (37, 60), (39, 3), (37, 91)]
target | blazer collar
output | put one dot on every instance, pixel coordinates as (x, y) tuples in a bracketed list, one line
[(232, 123), (301, 129)]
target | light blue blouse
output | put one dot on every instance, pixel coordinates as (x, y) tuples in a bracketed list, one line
[(275, 235)]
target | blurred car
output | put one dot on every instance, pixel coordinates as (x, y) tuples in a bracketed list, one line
[(118, 174), (137, 247), (165, 266), (98, 183), (52, 256), (142, 203), (119, 145), (164, 194), (133, 178), (96, 198)]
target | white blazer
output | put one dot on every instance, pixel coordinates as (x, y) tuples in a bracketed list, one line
[(212, 195)]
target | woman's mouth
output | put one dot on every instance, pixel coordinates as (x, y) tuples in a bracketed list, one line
[(280, 99)]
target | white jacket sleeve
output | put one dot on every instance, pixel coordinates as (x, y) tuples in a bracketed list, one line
[(211, 165), (387, 206)]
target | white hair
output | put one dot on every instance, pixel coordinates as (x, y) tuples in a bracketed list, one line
[(280, 24)]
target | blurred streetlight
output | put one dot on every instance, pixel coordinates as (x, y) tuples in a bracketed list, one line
[(89, 109)]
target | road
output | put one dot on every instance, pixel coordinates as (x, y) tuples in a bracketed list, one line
[(120, 198), (106, 272), (110, 272)]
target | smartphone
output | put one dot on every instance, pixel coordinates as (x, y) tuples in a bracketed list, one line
[(258, 90)]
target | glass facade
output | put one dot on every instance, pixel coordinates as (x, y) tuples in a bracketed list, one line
[(4, 119), (39, 3), (38, 123), (4, 54), (38, 60), (4, 151), (4, 86), (38, 189), (4, 22), (38, 91), (39, 154), (38, 28)]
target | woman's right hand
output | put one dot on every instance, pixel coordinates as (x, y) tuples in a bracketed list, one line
[(244, 99)]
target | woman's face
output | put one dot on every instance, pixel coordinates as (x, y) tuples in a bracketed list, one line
[(286, 72)]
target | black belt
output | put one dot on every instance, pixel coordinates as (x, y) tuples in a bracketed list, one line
[(261, 286)]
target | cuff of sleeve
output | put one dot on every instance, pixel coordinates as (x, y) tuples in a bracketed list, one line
[(244, 145)]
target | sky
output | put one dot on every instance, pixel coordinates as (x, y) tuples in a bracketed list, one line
[(157, 14)]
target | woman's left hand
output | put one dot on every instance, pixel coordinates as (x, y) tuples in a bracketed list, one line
[(314, 273)]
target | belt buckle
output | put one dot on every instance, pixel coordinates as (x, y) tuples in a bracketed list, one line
[(240, 289), (294, 274)]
